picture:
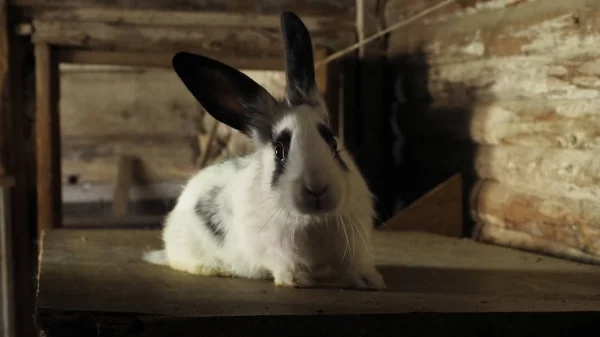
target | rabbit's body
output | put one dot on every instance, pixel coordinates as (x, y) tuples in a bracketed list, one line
[(297, 209)]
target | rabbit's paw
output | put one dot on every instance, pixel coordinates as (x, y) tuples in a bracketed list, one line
[(368, 278), (291, 279)]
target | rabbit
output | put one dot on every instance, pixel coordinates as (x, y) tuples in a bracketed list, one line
[(296, 210)]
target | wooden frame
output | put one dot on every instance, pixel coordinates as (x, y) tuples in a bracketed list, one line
[(47, 138), (87, 43)]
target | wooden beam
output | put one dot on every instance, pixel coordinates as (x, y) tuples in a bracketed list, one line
[(535, 28), (47, 139), (105, 36), (367, 24), (314, 23), (235, 42), (159, 59), (341, 8), (556, 225), (540, 123)]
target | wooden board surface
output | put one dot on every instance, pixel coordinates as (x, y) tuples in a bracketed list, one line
[(306, 7), (101, 271)]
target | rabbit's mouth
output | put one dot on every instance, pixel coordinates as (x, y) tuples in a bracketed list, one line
[(317, 200)]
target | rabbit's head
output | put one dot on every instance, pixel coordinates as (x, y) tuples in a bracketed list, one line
[(301, 163)]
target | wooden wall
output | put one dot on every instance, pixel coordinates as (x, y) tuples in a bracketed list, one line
[(107, 112), (508, 92)]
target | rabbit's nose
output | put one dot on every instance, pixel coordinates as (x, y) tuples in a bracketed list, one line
[(315, 190)]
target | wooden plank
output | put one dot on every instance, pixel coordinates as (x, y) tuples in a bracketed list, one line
[(409, 325), (525, 241), (547, 172), (302, 7), (47, 132), (515, 77), (101, 192), (570, 123), (93, 159), (159, 59), (544, 171), (86, 271), (562, 226), (536, 48), (157, 104), (127, 221), (541, 27), (439, 211), (125, 176), (235, 42), (147, 213), (133, 16)]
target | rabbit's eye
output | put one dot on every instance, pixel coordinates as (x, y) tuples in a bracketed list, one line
[(328, 136), (279, 152), (333, 143)]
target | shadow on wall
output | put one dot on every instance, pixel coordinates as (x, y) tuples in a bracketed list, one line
[(429, 133)]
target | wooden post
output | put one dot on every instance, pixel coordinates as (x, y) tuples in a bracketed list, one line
[(47, 127), (369, 152), (123, 186), (4, 60), (18, 239)]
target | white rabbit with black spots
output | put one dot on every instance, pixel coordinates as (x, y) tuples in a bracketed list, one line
[(297, 209)]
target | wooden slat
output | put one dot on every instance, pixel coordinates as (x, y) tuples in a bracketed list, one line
[(93, 159), (159, 59), (47, 139), (302, 7), (85, 273), (568, 124), (565, 227), (235, 42), (538, 27), (320, 22)]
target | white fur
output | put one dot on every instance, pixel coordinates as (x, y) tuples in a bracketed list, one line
[(265, 236), (312, 225)]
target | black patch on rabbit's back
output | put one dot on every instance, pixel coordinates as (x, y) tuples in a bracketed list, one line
[(207, 209), (282, 139)]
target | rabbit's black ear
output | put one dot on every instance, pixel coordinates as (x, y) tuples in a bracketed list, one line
[(299, 61), (227, 94)]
